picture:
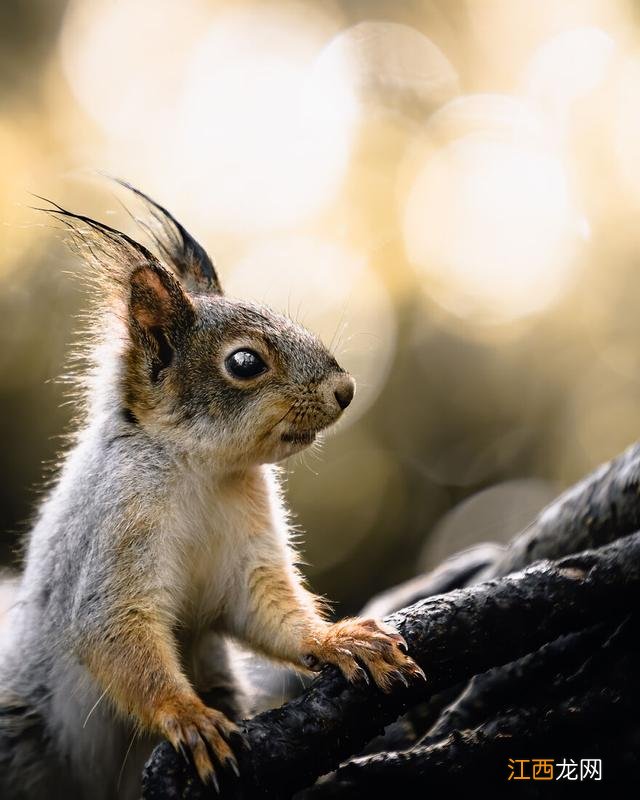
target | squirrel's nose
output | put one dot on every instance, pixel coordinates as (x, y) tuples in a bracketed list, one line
[(344, 391)]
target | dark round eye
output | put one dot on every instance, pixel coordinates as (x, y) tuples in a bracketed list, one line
[(245, 364)]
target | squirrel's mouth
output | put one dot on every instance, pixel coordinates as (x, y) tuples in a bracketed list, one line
[(299, 437)]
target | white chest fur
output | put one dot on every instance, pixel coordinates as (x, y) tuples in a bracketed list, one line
[(213, 529)]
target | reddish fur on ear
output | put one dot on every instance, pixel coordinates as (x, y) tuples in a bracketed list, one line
[(158, 300)]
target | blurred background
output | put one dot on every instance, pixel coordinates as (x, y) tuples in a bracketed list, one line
[(447, 190)]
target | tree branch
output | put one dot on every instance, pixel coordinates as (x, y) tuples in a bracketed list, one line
[(452, 637), (489, 692), (583, 725), (601, 508), (596, 704)]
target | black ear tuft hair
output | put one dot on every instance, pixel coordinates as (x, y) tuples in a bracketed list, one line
[(179, 249), (113, 254), (115, 238), (155, 295)]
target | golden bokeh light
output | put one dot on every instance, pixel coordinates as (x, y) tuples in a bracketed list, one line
[(263, 149), (21, 164), (625, 128), (224, 101), (491, 227), (387, 67), (126, 62), (504, 117), (567, 69)]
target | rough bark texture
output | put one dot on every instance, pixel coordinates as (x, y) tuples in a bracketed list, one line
[(481, 755), (603, 507), (489, 692), (593, 713), (453, 637)]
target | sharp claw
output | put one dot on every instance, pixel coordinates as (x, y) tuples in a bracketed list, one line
[(395, 675), (244, 741), (234, 765), (401, 677), (362, 674), (214, 782)]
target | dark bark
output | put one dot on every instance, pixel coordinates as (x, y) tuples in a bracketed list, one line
[(585, 725), (597, 705), (603, 507), (412, 727), (453, 637), (490, 692)]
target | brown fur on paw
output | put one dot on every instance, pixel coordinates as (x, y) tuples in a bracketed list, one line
[(359, 647), (201, 731)]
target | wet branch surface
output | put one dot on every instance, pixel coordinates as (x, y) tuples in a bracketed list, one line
[(599, 509), (591, 713), (518, 634)]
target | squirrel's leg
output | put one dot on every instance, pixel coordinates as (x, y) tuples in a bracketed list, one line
[(285, 621), (134, 658)]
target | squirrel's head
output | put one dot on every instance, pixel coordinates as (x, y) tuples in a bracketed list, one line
[(206, 374)]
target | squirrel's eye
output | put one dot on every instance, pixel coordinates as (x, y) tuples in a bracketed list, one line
[(245, 364)]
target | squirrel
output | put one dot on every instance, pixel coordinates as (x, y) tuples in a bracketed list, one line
[(166, 534)]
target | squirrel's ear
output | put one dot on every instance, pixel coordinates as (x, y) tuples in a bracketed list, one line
[(178, 248), (160, 312)]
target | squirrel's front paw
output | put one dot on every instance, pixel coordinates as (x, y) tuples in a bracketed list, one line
[(190, 725), (356, 644)]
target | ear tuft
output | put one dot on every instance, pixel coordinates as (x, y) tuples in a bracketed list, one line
[(159, 311), (177, 247)]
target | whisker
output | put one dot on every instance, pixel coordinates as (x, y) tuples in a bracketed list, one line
[(339, 327), (95, 705), (124, 760), (305, 464), (282, 418)]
